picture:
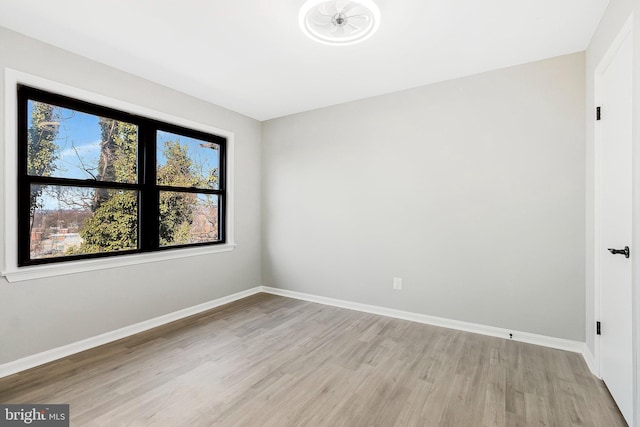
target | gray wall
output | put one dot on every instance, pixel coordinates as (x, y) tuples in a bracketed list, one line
[(471, 190), (42, 314)]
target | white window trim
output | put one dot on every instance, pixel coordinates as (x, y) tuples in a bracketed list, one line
[(11, 271)]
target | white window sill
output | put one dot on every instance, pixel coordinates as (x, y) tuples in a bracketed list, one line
[(60, 269)]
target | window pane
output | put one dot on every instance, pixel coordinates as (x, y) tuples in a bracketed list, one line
[(188, 218), (66, 143), (182, 161), (69, 220)]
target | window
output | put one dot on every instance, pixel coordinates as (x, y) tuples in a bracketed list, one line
[(95, 182)]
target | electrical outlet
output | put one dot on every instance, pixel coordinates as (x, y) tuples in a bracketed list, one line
[(397, 283)]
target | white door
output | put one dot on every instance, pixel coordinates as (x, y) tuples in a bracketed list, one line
[(614, 89)]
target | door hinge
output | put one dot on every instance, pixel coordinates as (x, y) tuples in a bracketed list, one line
[(597, 328), (598, 113)]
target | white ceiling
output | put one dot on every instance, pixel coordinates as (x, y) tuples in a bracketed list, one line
[(251, 57)]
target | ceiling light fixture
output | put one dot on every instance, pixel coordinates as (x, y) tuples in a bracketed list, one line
[(339, 22)]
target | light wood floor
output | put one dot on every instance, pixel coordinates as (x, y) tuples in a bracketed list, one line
[(273, 361)]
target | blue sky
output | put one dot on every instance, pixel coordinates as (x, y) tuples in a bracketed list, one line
[(78, 143), (79, 139), (80, 131)]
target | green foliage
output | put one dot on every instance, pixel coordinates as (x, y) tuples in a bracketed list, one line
[(117, 155), (179, 169), (176, 209), (114, 223), (41, 148), (125, 162), (113, 226)]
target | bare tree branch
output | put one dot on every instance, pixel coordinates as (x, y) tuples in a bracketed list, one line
[(84, 166)]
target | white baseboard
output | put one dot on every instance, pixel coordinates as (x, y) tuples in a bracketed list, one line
[(590, 360), (86, 344), (552, 342), (29, 362)]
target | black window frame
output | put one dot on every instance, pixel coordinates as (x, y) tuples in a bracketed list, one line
[(146, 186)]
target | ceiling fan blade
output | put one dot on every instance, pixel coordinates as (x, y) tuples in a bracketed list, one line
[(355, 27), (321, 20), (347, 7), (321, 24), (337, 31), (362, 16), (329, 8)]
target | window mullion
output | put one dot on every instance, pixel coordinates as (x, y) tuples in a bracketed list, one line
[(69, 182), (149, 194), (222, 204), (195, 190)]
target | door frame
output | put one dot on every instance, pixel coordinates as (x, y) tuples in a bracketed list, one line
[(625, 31)]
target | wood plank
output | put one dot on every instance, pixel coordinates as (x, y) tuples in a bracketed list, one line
[(273, 361)]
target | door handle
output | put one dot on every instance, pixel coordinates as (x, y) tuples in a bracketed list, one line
[(624, 251)]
